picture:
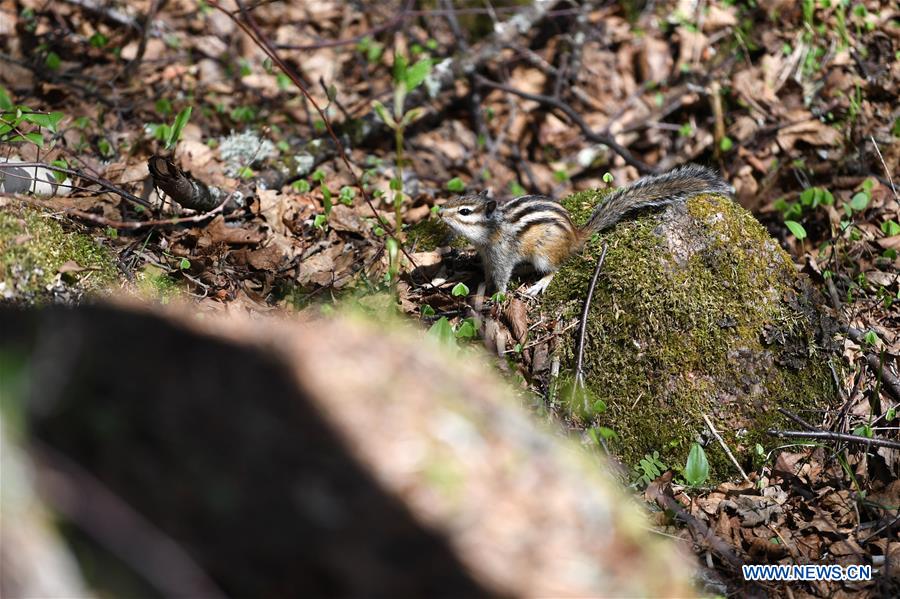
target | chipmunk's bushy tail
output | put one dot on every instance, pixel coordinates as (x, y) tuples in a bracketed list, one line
[(656, 190)]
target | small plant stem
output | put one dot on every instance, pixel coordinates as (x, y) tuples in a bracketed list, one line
[(398, 193), (582, 328)]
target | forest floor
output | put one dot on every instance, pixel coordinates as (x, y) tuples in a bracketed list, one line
[(327, 194)]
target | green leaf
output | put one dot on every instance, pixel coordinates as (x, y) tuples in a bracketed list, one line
[(53, 61), (459, 290), (890, 228), (696, 471), (301, 186), (427, 310), (5, 102), (725, 144), (60, 177), (180, 121), (417, 73), (456, 185), (466, 330), (326, 200), (383, 114), (442, 331), (890, 414), (50, 121), (184, 264), (318, 176), (400, 64), (515, 189), (35, 137), (608, 178), (607, 433), (98, 40), (796, 228), (860, 201), (870, 337), (498, 298), (863, 430), (320, 221)]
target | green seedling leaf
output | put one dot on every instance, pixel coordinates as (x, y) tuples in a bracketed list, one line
[(320, 221), (301, 186), (184, 264), (796, 229), (60, 177), (383, 114), (890, 228), (400, 64), (53, 61), (863, 431), (180, 121), (442, 331), (466, 330), (860, 201), (696, 471), (608, 178), (498, 298), (606, 432), (456, 185), (5, 102), (427, 310), (49, 121), (871, 338), (725, 144), (417, 73), (35, 137), (459, 290)]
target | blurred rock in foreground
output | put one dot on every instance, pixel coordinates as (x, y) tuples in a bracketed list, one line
[(332, 458)]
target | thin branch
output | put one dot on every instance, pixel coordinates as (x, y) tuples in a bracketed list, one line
[(589, 134), (582, 327), (829, 436), (248, 25), (140, 224), (107, 185), (721, 441)]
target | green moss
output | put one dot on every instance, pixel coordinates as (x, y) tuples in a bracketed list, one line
[(33, 247), (430, 234), (726, 329)]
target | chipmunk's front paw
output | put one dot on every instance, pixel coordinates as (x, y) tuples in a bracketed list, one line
[(539, 287)]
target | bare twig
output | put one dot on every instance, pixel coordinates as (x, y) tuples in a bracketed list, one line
[(107, 185), (829, 436), (887, 171), (721, 441), (140, 224), (135, 62), (589, 134), (248, 25), (582, 328)]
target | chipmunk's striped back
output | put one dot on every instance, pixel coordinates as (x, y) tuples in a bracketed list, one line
[(538, 230)]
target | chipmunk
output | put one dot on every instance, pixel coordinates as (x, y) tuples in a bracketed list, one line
[(536, 229)]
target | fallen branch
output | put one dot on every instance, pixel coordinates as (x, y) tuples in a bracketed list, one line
[(107, 185), (589, 134), (829, 436)]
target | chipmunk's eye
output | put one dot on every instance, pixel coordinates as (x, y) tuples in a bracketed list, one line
[(465, 211)]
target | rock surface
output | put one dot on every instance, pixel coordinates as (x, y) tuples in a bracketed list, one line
[(332, 458), (697, 311)]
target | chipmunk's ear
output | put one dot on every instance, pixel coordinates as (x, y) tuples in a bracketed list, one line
[(490, 207)]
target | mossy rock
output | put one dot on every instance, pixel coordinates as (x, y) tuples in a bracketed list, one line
[(35, 248), (697, 311)]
